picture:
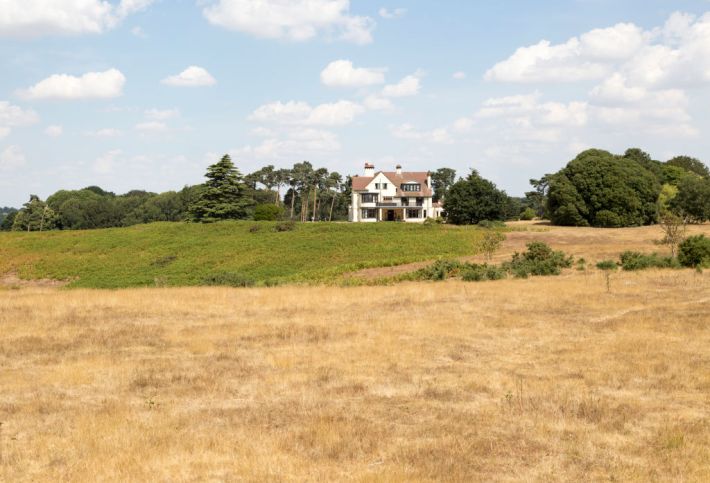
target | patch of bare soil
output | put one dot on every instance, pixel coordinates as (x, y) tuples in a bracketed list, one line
[(11, 280)]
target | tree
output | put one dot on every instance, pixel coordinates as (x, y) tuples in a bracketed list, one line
[(334, 183), (600, 189), (441, 180), (8, 219), (475, 199), (673, 227), (35, 215), (693, 199), (490, 242), (692, 165), (223, 194), (537, 199)]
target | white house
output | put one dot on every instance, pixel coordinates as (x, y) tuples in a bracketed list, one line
[(392, 196)]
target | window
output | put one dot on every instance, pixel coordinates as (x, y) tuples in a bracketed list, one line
[(369, 198), (420, 201), (411, 187), (369, 214), (384, 186), (405, 201), (380, 186), (412, 213), (424, 215)]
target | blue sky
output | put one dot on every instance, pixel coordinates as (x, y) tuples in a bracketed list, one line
[(146, 93)]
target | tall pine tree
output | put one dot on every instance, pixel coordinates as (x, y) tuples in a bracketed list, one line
[(223, 196)]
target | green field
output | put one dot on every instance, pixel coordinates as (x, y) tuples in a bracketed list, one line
[(178, 254)]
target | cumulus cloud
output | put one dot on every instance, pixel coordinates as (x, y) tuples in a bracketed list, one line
[(409, 86), (193, 76), (342, 73), (108, 132), (12, 158), (301, 113), (407, 131), (14, 116), (296, 20), (299, 142), (92, 85), (676, 54), (391, 14), (377, 103), (54, 131), (33, 18), (161, 114)]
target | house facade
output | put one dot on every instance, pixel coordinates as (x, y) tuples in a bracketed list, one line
[(392, 196)]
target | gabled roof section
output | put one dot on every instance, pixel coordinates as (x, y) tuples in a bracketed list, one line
[(360, 182), (419, 177)]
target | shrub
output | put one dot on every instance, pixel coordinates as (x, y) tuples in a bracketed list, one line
[(695, 252), (267, 212), (639, 261), (285, 226), (607, 265), (528, 214), (538, 260), (254, 228), (581, 264), (439, 270), (433, 221), (227, 279), (477, 273)]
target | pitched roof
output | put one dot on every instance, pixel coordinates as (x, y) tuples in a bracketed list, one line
[(420, 177)]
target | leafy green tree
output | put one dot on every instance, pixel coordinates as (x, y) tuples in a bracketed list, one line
[(695, 252), (692, 165), (537, 199), (8, 218), (223, 194), (600, 189), (267, 212), (693, 199), (35, 215), (441, 180), (475, 199)]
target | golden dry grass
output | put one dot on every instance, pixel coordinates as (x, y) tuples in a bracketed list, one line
[(535, 380)]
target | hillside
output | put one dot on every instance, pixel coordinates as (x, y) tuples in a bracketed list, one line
[(179, 254)]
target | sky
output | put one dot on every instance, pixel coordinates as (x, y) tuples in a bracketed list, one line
[(145, 94)]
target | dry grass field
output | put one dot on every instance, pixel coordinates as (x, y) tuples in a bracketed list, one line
[(544, 379)]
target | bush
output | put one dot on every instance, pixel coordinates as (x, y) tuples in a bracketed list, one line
[(538, 260), (439, 270), (254, 228), (478, 273), (528, 214), (695, 252), (228, 279), (268, 212), (607, 265), (285, 226), (639, 261)]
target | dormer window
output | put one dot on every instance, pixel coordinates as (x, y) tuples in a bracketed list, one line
[(411, 187)]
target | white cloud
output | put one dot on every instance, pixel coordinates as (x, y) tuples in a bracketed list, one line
[(463, 125), (54, 131), (106, 163), (33, 18), (407, 131), (301, 113), (673, 55), (459, 75), (409, 86), (341, 73), (294, 143), (390, 14), (527, 110), (12, 158), (151, 127), (14, 116), (92, 85), (296, 20), (161, 114), (193, 76), (376, 103), (106, 133)]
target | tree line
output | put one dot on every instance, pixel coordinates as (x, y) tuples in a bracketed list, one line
[(596, 188)]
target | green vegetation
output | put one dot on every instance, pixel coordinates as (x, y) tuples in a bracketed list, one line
[(223, 196), (631, 261), (268, 213), (475, 199), (607, 265), (538, 260), (695, 252), (176, 254)]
